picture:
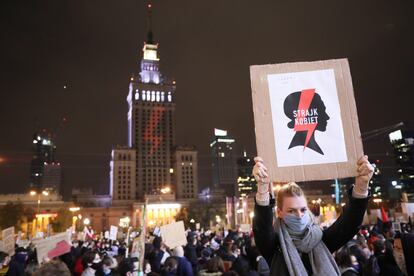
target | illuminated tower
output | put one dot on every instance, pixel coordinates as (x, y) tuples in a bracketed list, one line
[(246, 183), (151, 124), (224, 163), (45, 171)]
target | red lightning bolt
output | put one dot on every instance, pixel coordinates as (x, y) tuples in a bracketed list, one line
[(305, 100), (149, 136)]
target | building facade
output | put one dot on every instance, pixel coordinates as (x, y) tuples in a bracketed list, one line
[(224, 162), (45, 171), (186, 172), (246, 184), (123, 174), (402, 142)]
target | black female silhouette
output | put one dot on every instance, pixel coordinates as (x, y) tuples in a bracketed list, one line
[(310, 105)]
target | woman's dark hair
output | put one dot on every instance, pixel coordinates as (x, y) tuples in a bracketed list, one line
[(171, 264), (107, 261), (215, 265), (88, 258), (357, 251), (343, 257), (125, 266), (52, 268), (379, 247)]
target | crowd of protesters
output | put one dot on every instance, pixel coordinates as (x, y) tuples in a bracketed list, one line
[(374, 250)]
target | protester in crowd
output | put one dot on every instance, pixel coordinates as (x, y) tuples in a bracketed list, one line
[(346, 262), (91, 263), (385, 259), (399, 254), (297, 246), (106, 267), (214, 267), (128, 267), (190, 252), (170, 267), (407, 242), (53, 268), (242, 267), (258, 262), (17, 264), (156, 256), (204, 258), (184, 266), (4, 263), (356, 251)]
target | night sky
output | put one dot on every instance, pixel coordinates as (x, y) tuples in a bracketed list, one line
[(93, 46)]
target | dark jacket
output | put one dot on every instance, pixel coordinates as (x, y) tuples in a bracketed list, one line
[(388, 265), (17, 264), (334, 237), (184, 267), (190, 253)]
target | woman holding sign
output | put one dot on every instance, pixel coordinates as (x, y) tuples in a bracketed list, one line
[(294, 245)]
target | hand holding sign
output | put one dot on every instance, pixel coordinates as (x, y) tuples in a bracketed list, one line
[(263, 181)]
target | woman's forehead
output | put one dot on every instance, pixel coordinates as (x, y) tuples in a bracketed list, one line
[(294, 202)]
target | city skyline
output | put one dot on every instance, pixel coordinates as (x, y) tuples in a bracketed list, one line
[(76, 64)]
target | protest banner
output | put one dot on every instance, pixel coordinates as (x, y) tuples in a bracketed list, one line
[(113, 232), (173, 234), (306, 120), (52, 246), (245, 228), (8, 240)]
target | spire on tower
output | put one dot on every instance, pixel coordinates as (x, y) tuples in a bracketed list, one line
[(150, 35)]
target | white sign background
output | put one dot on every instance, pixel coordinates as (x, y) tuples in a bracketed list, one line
[(331, 141), (113, 233)]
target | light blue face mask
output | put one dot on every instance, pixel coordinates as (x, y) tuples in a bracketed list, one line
[(297, 224)]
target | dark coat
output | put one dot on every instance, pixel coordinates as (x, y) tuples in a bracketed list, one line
[(190, 253), (334, 237), (388, 265), (407, 241), (184, 267)]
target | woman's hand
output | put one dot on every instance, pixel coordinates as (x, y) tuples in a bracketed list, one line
[(365, 172)]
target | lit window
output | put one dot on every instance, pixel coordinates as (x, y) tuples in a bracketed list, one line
[(169, 96), (148, 95), (152, 96), (158, 96), (136, 96)]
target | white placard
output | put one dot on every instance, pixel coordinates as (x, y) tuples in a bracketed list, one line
[(245, 228), (173, 234), (52, 246), (113, 233), (8, 240), (306, 101)]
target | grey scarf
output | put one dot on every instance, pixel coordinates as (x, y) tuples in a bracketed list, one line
[(310, 243)]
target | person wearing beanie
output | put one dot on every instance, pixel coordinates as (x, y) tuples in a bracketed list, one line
[(184, 266)]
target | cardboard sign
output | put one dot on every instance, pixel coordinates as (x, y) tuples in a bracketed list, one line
[(407, 208), (113, 233), (8, 240), (306, 120), (53, 246), (245, 228), (173, 234)]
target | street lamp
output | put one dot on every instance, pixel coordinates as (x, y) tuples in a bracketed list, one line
[(33, 193), (86, 221)]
